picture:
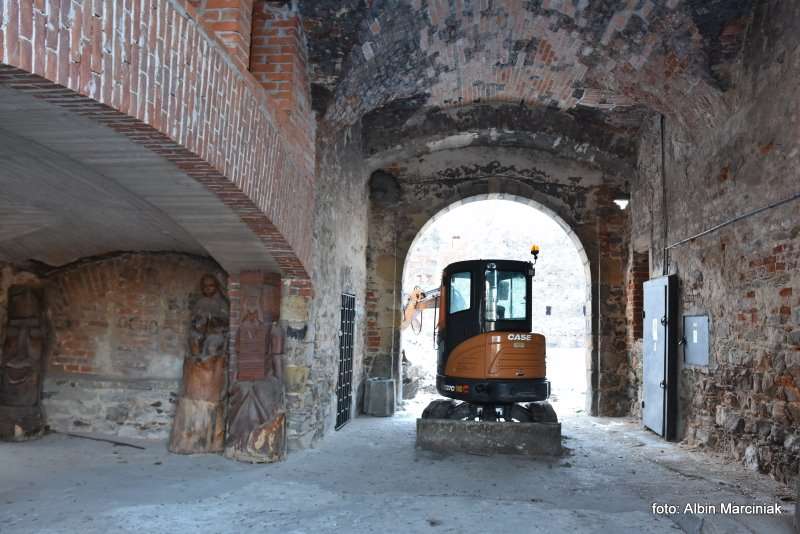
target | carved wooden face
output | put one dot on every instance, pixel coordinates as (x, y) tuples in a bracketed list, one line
[(209, 286), (23, 351)]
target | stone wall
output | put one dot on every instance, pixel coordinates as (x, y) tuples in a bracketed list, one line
[(637, 273), (573, 191), (746, 275), (340, 234), (119, 333)]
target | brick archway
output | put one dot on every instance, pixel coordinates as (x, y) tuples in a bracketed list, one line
[(152, 76)]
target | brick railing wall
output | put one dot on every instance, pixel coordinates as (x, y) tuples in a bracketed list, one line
[(150, 71)]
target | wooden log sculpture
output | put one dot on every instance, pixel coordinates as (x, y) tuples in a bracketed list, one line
[(199, 424), (256, 414), (21, 366)]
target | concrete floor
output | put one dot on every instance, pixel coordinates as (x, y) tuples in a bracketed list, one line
[(368, 477)]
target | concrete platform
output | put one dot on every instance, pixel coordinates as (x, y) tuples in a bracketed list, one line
[(489, 437)]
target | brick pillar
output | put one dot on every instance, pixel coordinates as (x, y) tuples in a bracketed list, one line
[(234, 298), (258, 298), (279, 60), (638, 273), (231, 21), (613, 232), (256, 425)]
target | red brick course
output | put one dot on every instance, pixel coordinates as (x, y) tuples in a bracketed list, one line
[(279, 60), (114, 318), (638, 273), (231, 21)]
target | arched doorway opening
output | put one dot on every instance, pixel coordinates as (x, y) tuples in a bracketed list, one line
[(505, 227)]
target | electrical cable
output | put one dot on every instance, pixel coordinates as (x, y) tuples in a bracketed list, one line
[(735, 219)]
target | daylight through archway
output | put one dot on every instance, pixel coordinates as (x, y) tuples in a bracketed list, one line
[(492, 228)]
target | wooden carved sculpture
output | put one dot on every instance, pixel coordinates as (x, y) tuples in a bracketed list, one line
[(21, 366), (199, 424), (256, 414)]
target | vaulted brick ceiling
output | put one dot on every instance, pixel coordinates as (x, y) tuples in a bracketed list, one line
[(671, 56)]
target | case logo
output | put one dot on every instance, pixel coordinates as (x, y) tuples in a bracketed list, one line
[(519, 337)]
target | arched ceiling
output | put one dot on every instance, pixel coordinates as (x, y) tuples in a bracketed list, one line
[(672, 56)]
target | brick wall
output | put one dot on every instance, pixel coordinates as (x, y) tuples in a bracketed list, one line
[(124, 317), (120, 330), (151, 72), (279, 61), (576, 54), (638, 273), (250, 363), (231, 21)]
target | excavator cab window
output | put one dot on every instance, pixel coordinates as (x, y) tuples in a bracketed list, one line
[(459, 297), (505, 296)]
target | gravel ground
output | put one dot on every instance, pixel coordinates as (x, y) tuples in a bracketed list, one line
[(368, 477)]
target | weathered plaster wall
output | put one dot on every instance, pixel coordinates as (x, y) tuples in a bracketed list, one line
[(339, 267), (577, 193), (119, 333), (746, 276)]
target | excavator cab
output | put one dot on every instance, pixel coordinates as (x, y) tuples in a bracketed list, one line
[(487, 354)]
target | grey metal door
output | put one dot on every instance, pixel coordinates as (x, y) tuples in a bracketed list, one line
[(659, 396), (654, 372)]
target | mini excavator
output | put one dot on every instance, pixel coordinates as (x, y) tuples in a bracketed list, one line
[(490, 366)]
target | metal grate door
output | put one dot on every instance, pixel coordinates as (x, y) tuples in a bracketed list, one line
[(344, 388)]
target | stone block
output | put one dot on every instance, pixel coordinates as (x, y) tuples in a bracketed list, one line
[(296, 377), (379, 397), (734, 424), (751, 457), (294, 309), (489, 437)]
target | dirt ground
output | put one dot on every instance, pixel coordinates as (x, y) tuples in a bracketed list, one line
[(368, 477)]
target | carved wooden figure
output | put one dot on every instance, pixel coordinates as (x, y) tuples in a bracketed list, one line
[(256, 413), (21, 366), (199, 424)]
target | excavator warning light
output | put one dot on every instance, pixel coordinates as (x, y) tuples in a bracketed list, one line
[(535, 251)]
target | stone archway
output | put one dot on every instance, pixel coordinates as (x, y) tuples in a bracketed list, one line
[(550, 214), (594, 224)]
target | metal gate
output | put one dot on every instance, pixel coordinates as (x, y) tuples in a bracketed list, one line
[(660, 388), (344, 387)]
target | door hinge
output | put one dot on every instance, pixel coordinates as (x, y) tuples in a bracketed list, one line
[(642, 404)]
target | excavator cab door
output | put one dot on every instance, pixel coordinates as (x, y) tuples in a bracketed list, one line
[(461, 308)]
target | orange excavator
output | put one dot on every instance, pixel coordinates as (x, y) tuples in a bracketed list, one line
[(488, 357)]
